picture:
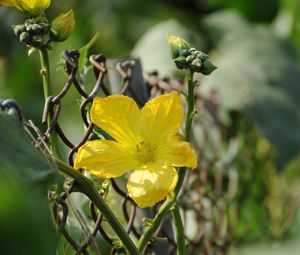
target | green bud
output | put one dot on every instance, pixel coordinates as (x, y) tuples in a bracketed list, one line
[(180, 62), (202, 56), (37, 39), (36, 28), (30, 21), (45, 27), (196, 65), (176, 44), (62, 26), (192, 50), (35, 32), (184, 53), (24, 37), (18, 29), (207, 67), (190, 59)]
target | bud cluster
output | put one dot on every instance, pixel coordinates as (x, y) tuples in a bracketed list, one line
[(186, 57), (39, 33), (35, 32), (194, 60)]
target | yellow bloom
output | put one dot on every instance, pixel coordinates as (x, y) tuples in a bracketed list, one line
[(146, 142), (32, 8)]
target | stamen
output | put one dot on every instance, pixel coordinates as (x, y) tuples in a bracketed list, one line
[(144, 152)]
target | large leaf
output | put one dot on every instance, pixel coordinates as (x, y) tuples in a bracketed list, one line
[(258, 74), (19, 154), (25, 220)]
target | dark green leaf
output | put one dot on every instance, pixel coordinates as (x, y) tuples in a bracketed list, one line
[(20, 155), (25, 220), (258, 74)]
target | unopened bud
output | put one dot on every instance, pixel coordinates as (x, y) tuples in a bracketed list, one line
[(184, 53), (18, 29), (207, 67), (24, 37), (62, 26), (177, 44), (202, 56), (196, 65), (190, 59), (180, 62), (36, 28)]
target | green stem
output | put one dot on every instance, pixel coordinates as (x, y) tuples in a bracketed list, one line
[(171, 200), (45, 72), (191, 107), (145, 238), (179, 231), (91, 192), (188, 126)]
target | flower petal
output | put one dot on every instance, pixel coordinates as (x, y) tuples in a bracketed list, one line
[(151, 184), (30, 7), (175, 152), (161, 116), (119, 117), (9, 3), (103, 158)]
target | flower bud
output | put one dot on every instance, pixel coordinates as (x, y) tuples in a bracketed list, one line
[(184, 53), (177, 45), (62, 26), (207, 67), (190, 59), (180, 62), (35, 32), (36, 28), (196, 65), (24, 37), (18, 29)]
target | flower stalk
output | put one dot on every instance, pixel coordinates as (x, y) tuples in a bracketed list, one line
[(45, 72), (179, 231)]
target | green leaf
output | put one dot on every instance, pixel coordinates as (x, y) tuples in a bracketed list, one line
[(19, 154), (26, 227), (25, 220), (257, 74), (83, 59)]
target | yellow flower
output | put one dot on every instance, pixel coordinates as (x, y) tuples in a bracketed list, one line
[(146, 142), (32, 8)]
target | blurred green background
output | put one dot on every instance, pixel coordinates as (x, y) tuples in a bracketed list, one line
[(256, 46)]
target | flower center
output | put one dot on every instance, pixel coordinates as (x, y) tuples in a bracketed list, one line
[(144, 152)]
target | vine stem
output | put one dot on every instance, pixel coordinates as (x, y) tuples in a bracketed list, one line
[(179, 230), (45, 72), (88, 188), (170, 202)]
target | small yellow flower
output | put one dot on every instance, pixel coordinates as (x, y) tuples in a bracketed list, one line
[(145, 141), (32, 8)]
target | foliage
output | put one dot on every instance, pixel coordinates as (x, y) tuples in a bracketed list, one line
[(24, 178)]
